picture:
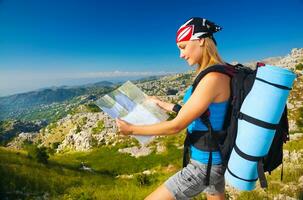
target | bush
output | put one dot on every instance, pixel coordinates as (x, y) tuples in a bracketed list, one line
[(299, 66), (100, 126), (93, 108), (55, 145), (171, 115), (142, 179), (38, 154), (171, 92), (78, 129)]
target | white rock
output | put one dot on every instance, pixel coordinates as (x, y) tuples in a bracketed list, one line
[(283, 197), (295, 136), (136, 152)]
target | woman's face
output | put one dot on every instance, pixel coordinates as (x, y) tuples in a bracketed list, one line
[(191, 51)]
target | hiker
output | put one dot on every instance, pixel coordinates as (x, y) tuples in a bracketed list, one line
[(203, 173)]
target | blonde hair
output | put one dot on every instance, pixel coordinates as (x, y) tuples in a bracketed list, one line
[(210, 55)]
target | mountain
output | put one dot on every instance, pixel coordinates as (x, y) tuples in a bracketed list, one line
[(10, 129), (83, 142), (19, 105), (289, 61), (52, 104), (169, 88), (100, 84)]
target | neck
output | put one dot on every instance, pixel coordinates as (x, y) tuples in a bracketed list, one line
[(207, 62)]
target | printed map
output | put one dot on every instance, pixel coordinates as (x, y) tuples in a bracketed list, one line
[(129, 103)]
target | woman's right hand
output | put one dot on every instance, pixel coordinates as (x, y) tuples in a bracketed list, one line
[(155, 100), (162, 104)]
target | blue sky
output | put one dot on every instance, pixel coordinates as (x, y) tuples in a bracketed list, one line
[(68, 42)]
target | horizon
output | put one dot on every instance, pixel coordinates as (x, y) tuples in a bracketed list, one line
[(90, 81), (55, 43)]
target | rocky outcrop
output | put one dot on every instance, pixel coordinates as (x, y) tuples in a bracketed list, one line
[(79, 132), (292, 59), (18, 141), (11, 129), (289, 61), (86, 132), (80, 142)]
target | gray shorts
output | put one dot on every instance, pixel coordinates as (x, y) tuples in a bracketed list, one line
[(189, 182)]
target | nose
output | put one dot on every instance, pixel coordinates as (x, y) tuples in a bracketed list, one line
[(181, 54)]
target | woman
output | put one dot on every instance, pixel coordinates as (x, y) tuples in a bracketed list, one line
[(198, 47)]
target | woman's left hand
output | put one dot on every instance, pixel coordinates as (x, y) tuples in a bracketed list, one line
[(123, 127)]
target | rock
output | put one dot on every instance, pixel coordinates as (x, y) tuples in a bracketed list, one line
[(295, 136), (231, 192), (148, 172), (170, 168), (292, 59), (130, 176), (125, 176), (287, 188), (290, 106), (292, 125), (136, 152), (289, 61), (18, 141), (81, 141), (283, 197), (160, 148), (85, 168), (82, 137), (293, 157), (300, 182)]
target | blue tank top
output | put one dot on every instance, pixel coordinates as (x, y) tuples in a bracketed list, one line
[(218, 111)]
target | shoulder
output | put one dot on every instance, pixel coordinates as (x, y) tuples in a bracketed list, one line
[(215, 85), (215, 77)]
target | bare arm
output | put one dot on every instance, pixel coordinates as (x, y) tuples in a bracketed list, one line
[(206, 92)]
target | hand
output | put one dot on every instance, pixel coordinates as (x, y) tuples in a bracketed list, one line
[(154, 99), (123, 127), (162, 104)]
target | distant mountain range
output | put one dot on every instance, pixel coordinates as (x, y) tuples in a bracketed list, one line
[(13, 106), (34, 105), (31, 104)]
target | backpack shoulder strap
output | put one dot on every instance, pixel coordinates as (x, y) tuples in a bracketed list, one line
[(228, 70)]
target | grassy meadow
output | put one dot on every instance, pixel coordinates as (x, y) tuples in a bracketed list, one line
[(63, 178)]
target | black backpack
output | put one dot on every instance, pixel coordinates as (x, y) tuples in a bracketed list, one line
[(242, 80)]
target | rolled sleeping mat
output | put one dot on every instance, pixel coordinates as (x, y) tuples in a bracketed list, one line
[(264, 104)]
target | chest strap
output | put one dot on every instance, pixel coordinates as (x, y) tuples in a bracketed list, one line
[(203, 140)]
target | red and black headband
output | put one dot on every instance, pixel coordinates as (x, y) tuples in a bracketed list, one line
[(197, 28)]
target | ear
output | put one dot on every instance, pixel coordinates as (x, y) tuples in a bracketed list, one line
[(201, 42)]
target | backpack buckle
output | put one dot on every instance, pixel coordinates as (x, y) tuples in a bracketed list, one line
[(260, 64), (239, 115)]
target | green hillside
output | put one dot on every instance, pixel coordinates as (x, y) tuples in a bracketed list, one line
[(49, 104), (62, 178)]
